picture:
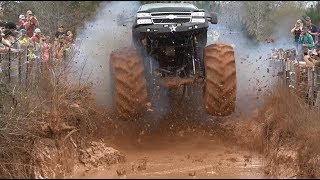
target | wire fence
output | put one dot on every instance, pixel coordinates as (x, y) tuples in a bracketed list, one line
[(304, 80), (27, 69), (18, 67)]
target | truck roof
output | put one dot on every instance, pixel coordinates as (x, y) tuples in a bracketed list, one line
[(159, 6)]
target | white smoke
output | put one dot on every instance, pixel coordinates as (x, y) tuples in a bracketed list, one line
[(110, 30), (255, 72)]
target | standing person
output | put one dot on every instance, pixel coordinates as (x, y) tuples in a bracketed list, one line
[(318, 36), (306, 39), (61, 48), (312, 29), (59, 32), (21, 22), (31, 23), (45, 48), (23, 45), (69, 36), (313, 60), (45, 53), (36, 36), (7, 38), (1, 13), (296, 31), (23, 40)]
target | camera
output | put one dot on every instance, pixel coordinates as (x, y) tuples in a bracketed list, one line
[(307, 53)]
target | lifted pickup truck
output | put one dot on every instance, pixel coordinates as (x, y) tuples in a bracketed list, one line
[(171, 39)]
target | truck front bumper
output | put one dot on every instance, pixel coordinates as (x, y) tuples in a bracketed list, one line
[(170, 28)]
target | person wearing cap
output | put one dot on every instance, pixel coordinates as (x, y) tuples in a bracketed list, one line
[(306, 39), (312, 29), (31, 23), (36, 42), (21, 22), (36, 36)]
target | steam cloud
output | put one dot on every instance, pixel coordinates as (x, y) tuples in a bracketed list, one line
[(256, 74), (110, 30)]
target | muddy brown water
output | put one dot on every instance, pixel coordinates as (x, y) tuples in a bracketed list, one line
[(182, 144), (182, 157), (186, 146)]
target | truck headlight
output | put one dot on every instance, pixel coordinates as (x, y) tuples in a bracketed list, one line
[(144, 21), (198, 20), (142, 15), (202, 14)]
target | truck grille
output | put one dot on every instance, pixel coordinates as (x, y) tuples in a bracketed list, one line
[(169, 21), (172, 13), (170, 17)]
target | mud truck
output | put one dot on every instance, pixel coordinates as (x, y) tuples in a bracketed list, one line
[(170, 50)]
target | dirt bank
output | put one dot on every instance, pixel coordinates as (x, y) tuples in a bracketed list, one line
[(286, 131)]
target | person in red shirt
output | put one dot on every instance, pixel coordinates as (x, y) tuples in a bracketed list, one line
[(31, 23)]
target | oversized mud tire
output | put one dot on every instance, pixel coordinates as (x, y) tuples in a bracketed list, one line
[(220, 86), (130, 91)]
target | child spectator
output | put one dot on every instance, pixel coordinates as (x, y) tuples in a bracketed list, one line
[(45, 48)]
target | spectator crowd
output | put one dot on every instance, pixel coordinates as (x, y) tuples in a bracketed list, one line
[(307, 42), (25, 36)]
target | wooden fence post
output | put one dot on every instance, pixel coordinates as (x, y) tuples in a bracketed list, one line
[(317, 87), (19, 66), (310, 86), (9, 65)]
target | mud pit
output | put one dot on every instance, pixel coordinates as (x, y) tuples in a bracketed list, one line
[(196, 157), (181, 144)]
